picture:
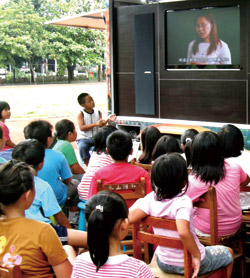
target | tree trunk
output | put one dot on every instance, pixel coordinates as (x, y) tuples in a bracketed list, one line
[(14, 75), (70, 73), (99, 73)]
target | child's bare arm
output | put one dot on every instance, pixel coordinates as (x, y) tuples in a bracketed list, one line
[(83, 127), (63, 270), (67, 181), (189, 242), (76, 169), (135, 215), (62, 220), (10, 144), (246, 182)]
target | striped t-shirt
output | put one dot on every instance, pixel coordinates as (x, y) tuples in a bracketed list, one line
[(96, 162), (120, 266)]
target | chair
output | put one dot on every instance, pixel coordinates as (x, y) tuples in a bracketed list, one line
[(10, 272), (144, 236), (209, 201), (246, 223), (129, 191), (146, 167)]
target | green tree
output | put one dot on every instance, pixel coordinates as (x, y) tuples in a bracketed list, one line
[(69, 45), (23, 36)]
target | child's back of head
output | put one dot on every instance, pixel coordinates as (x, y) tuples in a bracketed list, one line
[(149, 137), (102, 212), (30, 151), (119, 145), (166, 144), (40, 130), (186, 142), (169, 176), (100, 138), (206, 157), (15, 179), (232, 141)]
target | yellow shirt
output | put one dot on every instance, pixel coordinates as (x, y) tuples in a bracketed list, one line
[(31, 244)]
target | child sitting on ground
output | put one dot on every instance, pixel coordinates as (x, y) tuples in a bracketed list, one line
[(107, 217), (169, 181), (65, 134), (119, 146), (89, 120), (98, 159), (45, 204), (33, 245), (55, 168), (4, 115), (2, 144)]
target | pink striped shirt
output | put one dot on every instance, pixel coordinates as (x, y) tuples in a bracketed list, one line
[(120, 266), (96, 162)]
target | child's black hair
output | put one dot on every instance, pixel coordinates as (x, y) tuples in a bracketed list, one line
[(40, 130), (206, 157), (100, 138), (166, 144), (169, 176), (3, 105), (81, 98), (119, 144), (30, 151), (232, 141), (188, 136), (63, 127), (102, 212), (149, 136), (186, 140), (16, 178)]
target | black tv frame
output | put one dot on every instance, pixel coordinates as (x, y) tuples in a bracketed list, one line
[(202, 73)]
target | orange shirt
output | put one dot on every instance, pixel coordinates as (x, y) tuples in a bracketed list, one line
[(33, 245)]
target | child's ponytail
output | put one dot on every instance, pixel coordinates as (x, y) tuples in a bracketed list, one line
[(98, 237), (102, 212)]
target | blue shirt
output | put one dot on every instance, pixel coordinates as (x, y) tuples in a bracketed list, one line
[(45, 200), (55, 169)]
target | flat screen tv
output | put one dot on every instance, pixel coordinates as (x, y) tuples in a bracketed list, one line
[(203, 38)]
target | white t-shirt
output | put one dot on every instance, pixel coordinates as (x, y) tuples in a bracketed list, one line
[(179, 207), (120, 266), (221, 56)]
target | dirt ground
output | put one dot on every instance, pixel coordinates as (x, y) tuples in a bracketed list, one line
[(49, 102)]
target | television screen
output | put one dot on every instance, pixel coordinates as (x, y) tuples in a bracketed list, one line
[(205, 38)]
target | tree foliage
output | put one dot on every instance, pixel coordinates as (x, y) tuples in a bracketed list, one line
[(25, 37)]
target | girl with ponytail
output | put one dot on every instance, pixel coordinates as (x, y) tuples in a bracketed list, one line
[(106, 214)]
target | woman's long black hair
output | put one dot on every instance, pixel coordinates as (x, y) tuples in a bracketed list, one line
[(102, 212)]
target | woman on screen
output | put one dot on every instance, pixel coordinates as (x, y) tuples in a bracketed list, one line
[(208, 49)]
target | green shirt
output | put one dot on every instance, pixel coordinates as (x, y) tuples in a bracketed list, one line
[(67, 150)]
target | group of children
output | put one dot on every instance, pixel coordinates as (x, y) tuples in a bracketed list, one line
[(37, 183)]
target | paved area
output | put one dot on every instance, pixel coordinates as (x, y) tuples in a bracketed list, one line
[(51, 102)]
